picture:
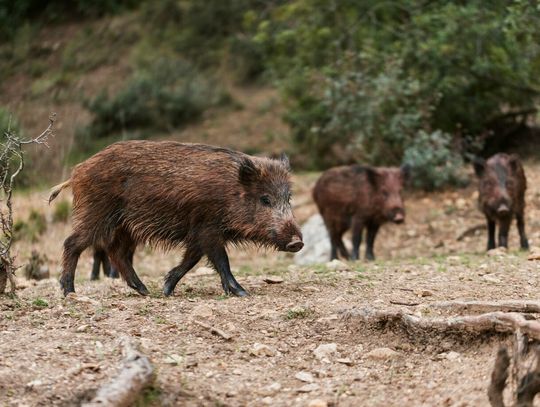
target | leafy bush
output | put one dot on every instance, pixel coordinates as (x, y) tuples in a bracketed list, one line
[(435, 163), (363, 78), (32, 229), (62, 211), (169, 94)]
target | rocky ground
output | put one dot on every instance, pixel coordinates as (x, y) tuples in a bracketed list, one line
[(290, 343)]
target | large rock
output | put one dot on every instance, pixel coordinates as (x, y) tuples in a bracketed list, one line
[(316, 242)]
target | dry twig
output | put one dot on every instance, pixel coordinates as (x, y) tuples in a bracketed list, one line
[(225, 335)]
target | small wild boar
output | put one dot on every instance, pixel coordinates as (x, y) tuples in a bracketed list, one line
[(357, 197), (172, 194), (501, 196)]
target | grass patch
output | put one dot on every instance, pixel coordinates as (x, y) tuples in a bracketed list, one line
[(298, 313), (40, 303)]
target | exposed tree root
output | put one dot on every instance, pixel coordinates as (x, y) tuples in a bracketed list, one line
[(488, 306), (506, 322), (498, 378), (123, 390)]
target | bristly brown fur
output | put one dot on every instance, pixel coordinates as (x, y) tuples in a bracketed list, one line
[(357, 197), (169, 194), (502, 183)]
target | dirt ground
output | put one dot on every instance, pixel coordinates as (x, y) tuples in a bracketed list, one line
[(56, 351)]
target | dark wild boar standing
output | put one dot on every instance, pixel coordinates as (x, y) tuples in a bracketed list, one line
[(501, 196), (170, 194), (357, 197)]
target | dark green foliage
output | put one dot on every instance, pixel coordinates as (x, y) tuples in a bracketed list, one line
[(62, 211), (165, 96), (364, 79), (32, 229)]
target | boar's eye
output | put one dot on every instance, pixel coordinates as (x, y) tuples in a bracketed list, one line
[(265, 200), (385, 193)]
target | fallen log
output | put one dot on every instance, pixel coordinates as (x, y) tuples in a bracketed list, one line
[(135, 374)]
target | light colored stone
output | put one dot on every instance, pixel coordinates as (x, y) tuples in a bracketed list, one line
[(304, 377), (271, 389), (317, 403), (173, 359), (345, 361), (260, 349), (453, 355), (337, 265), (490, 278), (534, 254), (308, 388), (82, 328), (382, 354), (499, 251), (324, 351)]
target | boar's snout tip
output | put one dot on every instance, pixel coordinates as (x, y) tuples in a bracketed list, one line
[(294, 245), (399, 218), (503, 210)]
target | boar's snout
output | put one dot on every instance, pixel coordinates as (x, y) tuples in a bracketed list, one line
[(295, 244), (399, 218), (503, 210), (397, 215)]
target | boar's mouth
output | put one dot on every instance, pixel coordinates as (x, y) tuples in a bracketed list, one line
[(399, 218)]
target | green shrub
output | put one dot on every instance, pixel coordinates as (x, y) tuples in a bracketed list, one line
[(32, 228), (434, 162), (168, 94), (62, 211)]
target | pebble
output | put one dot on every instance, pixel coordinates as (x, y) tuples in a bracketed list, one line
[(382, 354), (317, 403), (304, 377), (308, 388), (337, 265), (273, 280), (324, 351), (259, 349), (202, 311)]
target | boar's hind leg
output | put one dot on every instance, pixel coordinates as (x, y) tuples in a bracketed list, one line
[(119, 253), (372, 230), (337, 246), (219, 259), (73, 247), (524, 242), (191, 257), (98, 259), (491, 234)]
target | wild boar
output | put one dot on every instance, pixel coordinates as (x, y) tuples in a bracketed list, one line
[(357, 197), (501, 196), (171, 194)]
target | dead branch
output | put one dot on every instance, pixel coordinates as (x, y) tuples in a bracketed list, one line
[(135, 374), (11, 165), (504, 322), (471, 231), (225, 335), (498, 378)]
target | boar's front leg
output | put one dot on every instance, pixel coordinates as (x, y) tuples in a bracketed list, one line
[(219, 259), (73, 247), (504, 227), (372, 229), (524, 242), (491, 234), (191, 257)]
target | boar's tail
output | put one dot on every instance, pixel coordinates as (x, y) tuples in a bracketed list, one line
[(57, 189)]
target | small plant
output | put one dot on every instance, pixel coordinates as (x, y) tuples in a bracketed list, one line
[(298, 312), (62, 211), (40, 303)]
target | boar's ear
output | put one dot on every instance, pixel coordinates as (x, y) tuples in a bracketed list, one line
[(405, 172), (479, 165), (513, 160), (285, 160), (372, 176), (248, 172)]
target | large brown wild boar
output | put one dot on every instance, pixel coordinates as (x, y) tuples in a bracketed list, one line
[(357, 197), (501, 196), (171, 194)]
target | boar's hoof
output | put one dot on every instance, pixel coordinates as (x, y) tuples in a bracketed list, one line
[(237, 291), (141, 289), (168, 289)]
